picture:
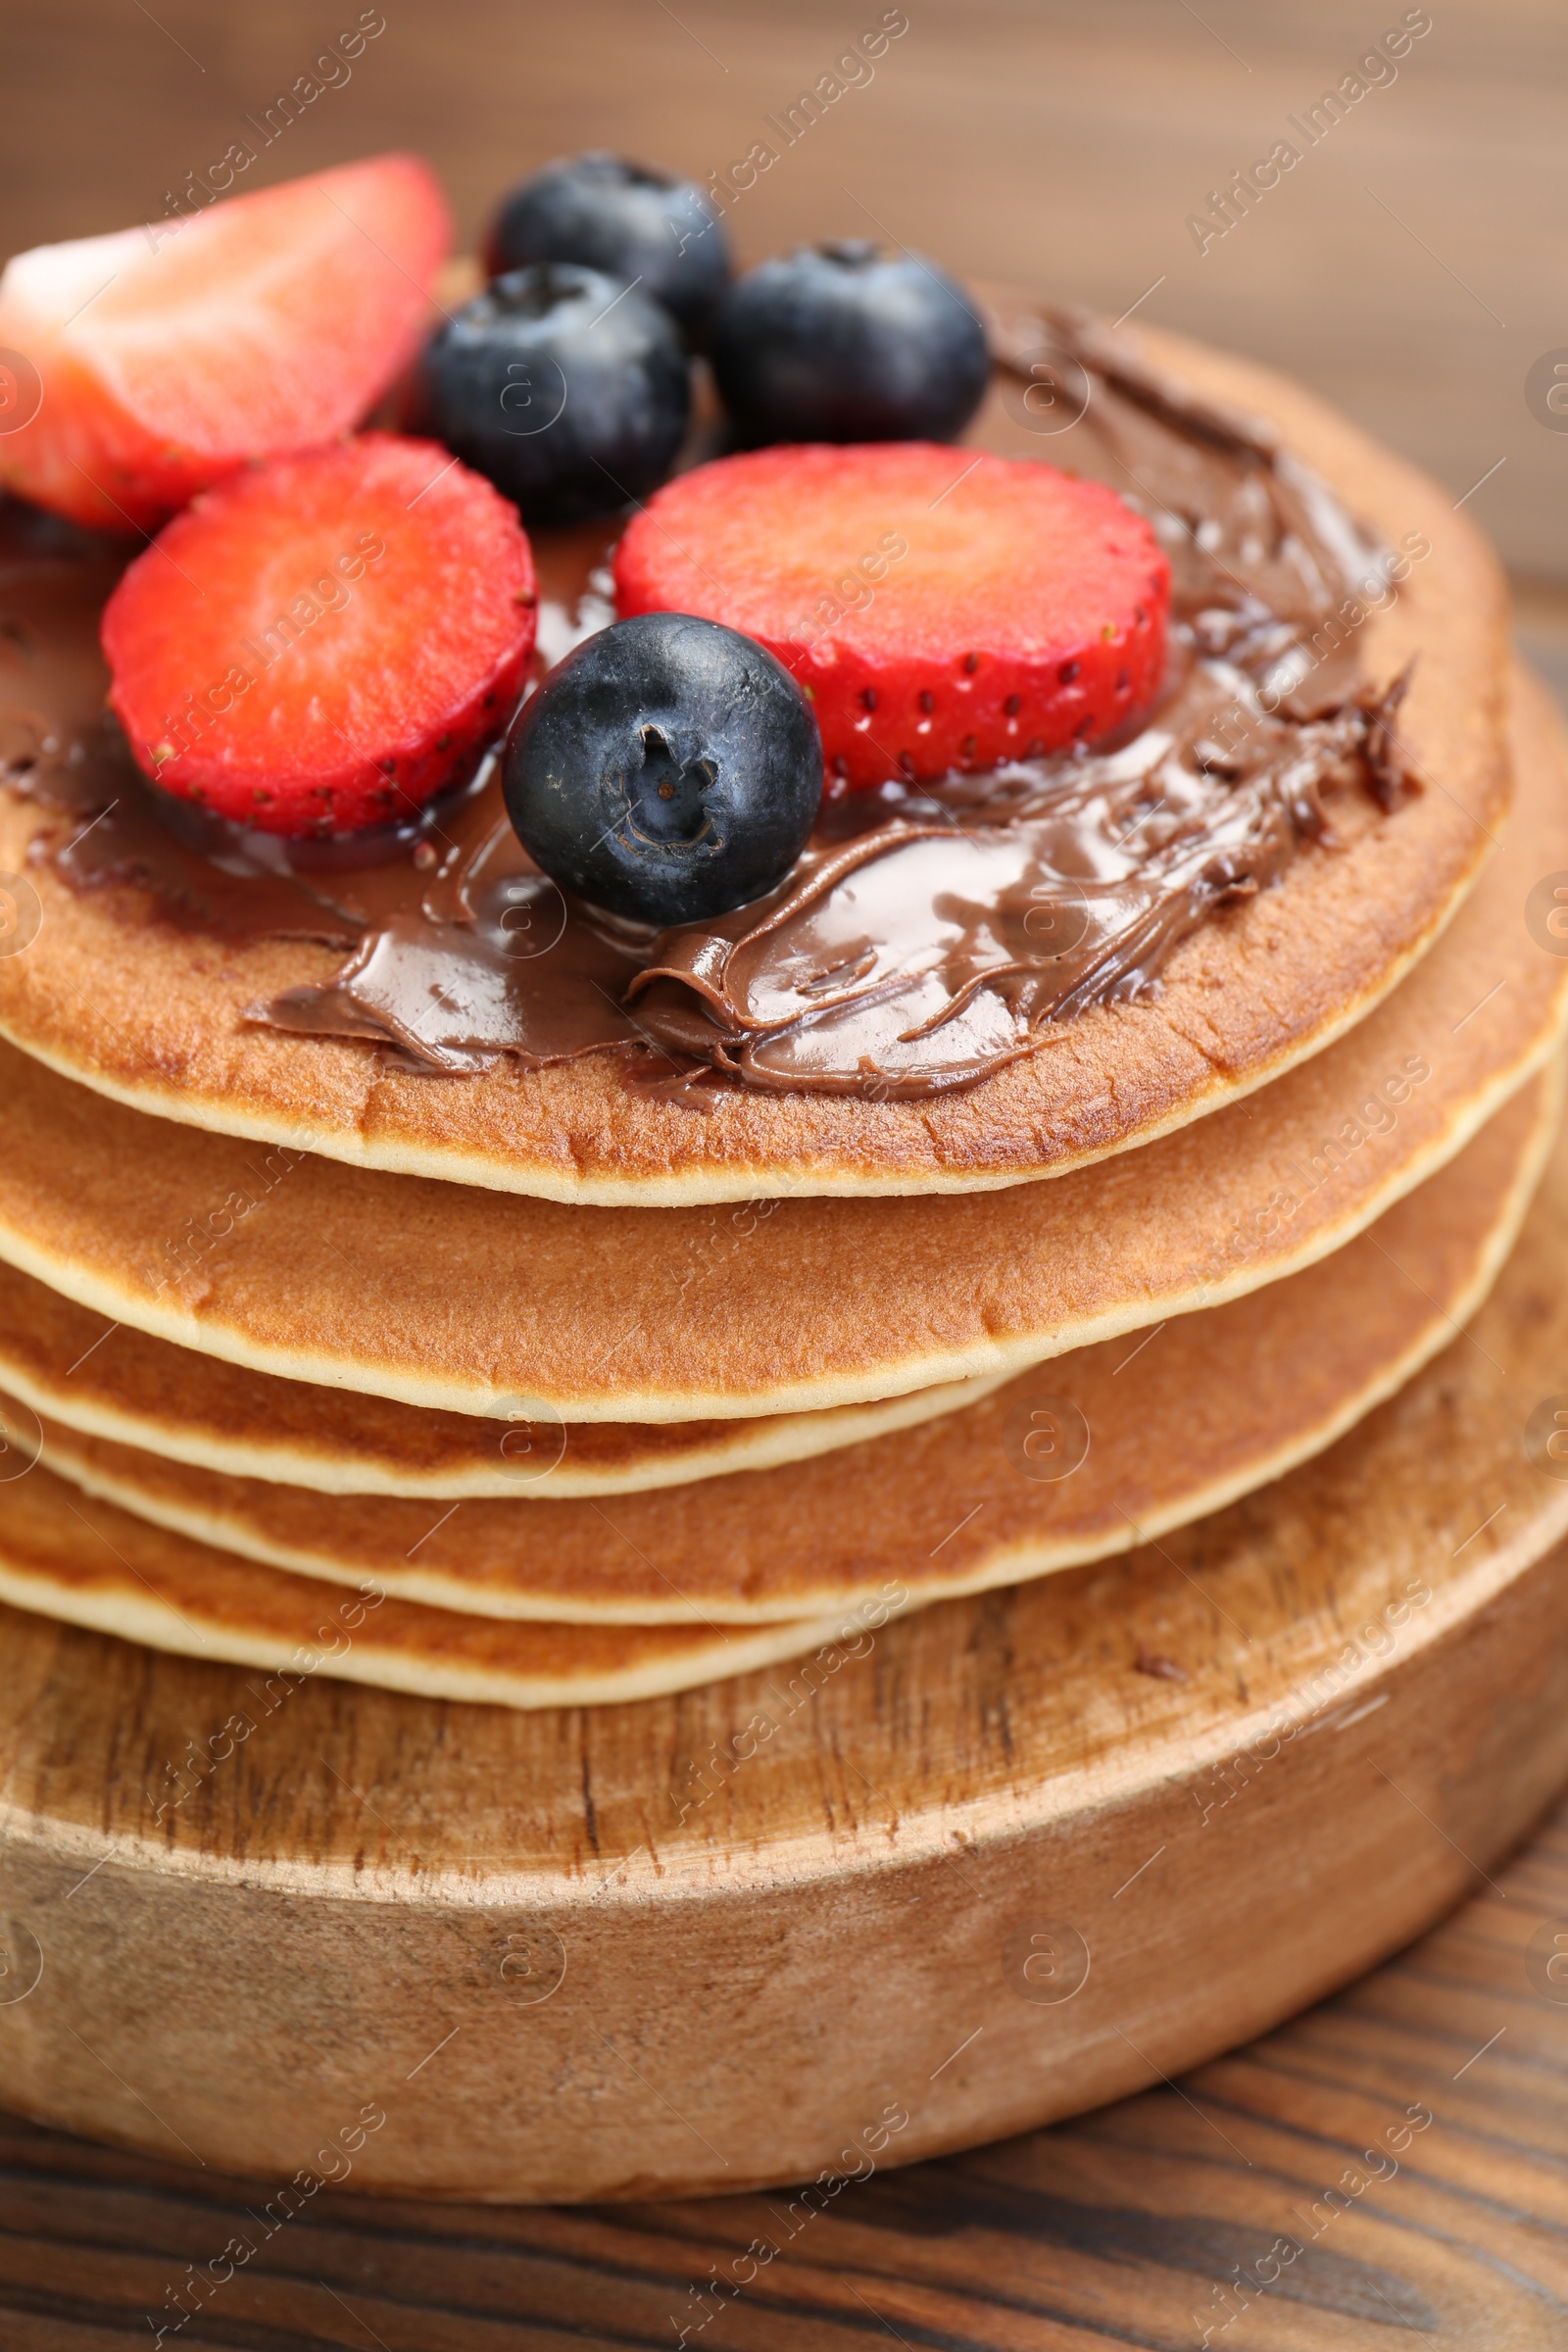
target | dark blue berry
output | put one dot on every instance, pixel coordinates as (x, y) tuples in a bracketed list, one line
[(568, 390), (636, 224), (834, 343), (668, 770)]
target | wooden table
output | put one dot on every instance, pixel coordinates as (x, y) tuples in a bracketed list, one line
[(1144, 2224)]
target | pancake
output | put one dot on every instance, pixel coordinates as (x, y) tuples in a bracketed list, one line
[(108, 1381), (475, 1301), (99, 1567), (1176, 1426), (1454, 1463), (159, 1017)]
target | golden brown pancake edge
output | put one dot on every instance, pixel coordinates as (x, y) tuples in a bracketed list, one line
[(1436, 1472), (1192, 1417), (110, 1381)]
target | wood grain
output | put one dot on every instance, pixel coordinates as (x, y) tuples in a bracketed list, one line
[(1142, 2223)]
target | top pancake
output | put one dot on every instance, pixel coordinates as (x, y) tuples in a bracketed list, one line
[(154, 1016), (460, 1299)]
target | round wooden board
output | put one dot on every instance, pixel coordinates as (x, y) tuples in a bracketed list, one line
[(1290, 2197), (988, 1866)]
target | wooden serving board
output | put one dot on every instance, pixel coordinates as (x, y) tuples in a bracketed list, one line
[(988, 1865), (1291, 2198)]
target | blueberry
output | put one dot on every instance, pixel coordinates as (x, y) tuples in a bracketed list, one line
[(834, 343), (668, 770), (639, 225), (568, 390)]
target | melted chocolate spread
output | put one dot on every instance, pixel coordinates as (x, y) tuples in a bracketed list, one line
[(929, 933)]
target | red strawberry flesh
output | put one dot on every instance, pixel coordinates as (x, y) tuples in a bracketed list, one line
[(945, 610), (169, 356), (321, 643)]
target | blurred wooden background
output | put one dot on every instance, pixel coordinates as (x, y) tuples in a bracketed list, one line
[(1412, 266)]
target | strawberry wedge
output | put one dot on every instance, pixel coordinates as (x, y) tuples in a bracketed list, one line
[(166, 357)]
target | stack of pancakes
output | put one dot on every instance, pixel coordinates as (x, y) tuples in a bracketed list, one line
[(535, 1387)]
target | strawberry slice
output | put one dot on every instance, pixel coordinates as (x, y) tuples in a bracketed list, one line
[(944, 611), (167, 356), (321, 642)]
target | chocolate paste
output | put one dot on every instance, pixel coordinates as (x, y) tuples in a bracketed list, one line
[(929, 934)]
